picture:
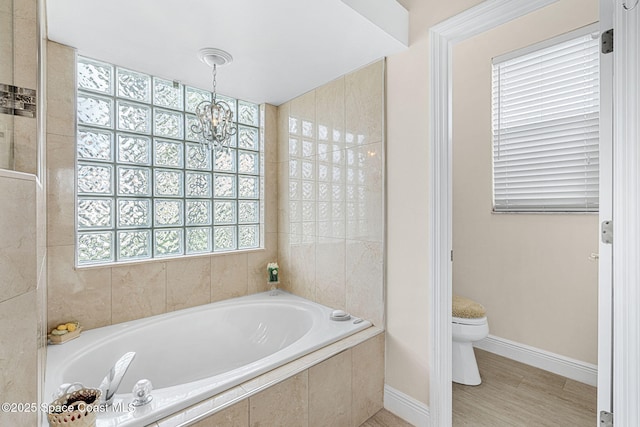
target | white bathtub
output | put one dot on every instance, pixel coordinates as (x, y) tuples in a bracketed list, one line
[(193, 354)]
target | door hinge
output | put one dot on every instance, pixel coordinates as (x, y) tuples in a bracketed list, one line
[(607, 41), (606, 419), (451, 255), (606, 232)]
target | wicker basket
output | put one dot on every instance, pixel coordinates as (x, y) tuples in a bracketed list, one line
[(76, 409)]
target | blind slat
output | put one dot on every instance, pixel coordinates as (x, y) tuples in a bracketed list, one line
[(545, 129)]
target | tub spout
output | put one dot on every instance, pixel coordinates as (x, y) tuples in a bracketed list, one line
[(111, 381)]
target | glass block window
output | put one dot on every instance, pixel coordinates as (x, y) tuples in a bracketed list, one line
[(145, 188)]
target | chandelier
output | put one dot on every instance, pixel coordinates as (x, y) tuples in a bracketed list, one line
[(215, 119)]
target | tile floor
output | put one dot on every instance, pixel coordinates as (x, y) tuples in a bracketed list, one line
[(384, 418), (513, 395)]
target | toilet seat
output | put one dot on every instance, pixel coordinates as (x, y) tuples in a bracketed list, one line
[(466, 321)]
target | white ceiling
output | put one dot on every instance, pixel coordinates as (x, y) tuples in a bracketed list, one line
[(280, 48)]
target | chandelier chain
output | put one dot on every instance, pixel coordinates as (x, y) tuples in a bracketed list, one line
[(214, 71)]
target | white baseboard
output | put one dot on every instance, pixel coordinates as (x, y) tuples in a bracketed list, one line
[(576, 370), (406, 407)]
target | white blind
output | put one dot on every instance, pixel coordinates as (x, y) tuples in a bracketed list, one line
[(545, 129)]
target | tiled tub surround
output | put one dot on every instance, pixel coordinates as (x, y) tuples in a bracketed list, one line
[(22, 223), (205, 350), (100, 296), (22, 282), (338, 385), (331, 193)]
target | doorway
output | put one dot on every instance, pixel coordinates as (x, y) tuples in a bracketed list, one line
[(472, 22), (530, 259)]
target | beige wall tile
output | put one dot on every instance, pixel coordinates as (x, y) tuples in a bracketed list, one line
[(138, 291), (367, 379), (330, 392), (233, 416), (6, 6), (229, 276), (330, 113), (283, 198), (18, 357), (6, 43), (271, 168), (271, 132), (60, 190), (283, 132), (300, 278), (83, 294), (303, 108), (285, 404), (25, 52), (365, 193), (6, 142), (61, 89), (330, 273), (364, 103), (188, 283), (364, 273), (271, 199), (25, 144), (257, 264), (26, 9), (41, 230), (18, 244), (345, 194), (41, 332)]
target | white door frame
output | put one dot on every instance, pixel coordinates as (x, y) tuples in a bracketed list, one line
[(626, 199), (626, 214)]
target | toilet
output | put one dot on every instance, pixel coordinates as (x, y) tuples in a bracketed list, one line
[(469, 324)]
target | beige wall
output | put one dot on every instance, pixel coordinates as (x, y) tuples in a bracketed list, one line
[(531, 272), (407, 200), (100, 296), (22, 248), (331, 193)]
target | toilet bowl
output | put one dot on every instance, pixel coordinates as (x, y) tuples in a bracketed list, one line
[(466, 330)]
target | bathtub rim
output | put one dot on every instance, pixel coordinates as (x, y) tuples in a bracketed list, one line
[(75, 347)]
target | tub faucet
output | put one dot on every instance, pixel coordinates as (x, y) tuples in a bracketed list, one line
[(112, 380)]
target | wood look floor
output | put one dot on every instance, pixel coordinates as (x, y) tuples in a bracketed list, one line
[(514, 394), (384, 418)]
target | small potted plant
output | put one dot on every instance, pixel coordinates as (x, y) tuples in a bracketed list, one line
[(273, 281)]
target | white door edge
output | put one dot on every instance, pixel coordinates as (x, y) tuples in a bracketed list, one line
[(605, 259), (626, 213)]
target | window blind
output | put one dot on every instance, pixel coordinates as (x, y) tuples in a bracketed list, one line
[(545, 129)]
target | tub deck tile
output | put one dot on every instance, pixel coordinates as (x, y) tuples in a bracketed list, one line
[(204, 410)]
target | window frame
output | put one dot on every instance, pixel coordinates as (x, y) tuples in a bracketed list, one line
[(588, 206)]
